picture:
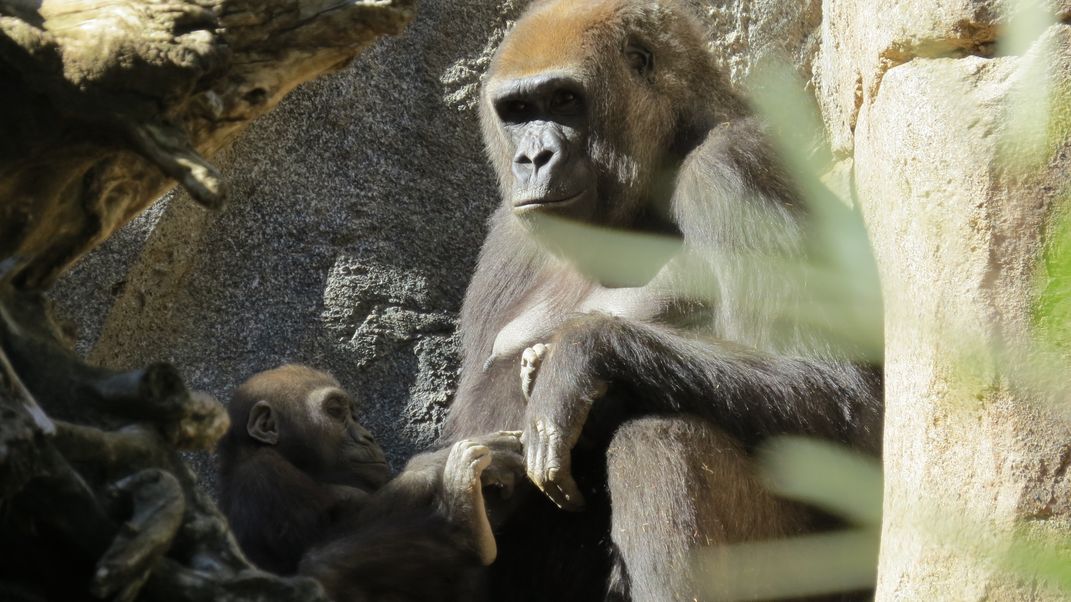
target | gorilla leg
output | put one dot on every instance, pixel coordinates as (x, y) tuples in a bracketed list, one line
[(677, 484)]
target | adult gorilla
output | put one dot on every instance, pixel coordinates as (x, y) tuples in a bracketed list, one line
[(640, 394)]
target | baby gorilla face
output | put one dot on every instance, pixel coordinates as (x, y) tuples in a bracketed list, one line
[(311, 421), (359, 461)]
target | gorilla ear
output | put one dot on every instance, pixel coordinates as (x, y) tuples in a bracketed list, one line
[(262, 425)]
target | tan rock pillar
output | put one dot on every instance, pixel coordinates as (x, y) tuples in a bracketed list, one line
[(976, 448)]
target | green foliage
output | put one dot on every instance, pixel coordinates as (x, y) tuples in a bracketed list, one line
[(614, 257), (825, 475), (1052, 311)]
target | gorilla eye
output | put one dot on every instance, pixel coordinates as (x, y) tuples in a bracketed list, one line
[(566, 101), (639, 58), (514, 110), (337, 408)]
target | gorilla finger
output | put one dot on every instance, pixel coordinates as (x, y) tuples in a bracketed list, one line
[(505, 441), (567, 494), (556, 495), (477, 450), (559, 472), (529, 356), (542, 448), (530, 451), (479, 457), (535, 457), (511, 462)]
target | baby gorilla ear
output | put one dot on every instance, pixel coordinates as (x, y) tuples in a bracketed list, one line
[(262, 424)]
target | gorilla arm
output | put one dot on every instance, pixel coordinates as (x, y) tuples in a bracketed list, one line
[(425, 534), (749, 394), (461, 498), (450, 482)]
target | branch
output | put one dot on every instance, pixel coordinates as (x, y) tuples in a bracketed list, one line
[(115, 100)]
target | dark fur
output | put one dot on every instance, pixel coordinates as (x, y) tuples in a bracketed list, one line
[(664, 461), (392, 544)]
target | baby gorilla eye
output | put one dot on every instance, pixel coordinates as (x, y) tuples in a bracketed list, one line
[(337, 408)]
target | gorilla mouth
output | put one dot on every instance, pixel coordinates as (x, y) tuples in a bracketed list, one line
[(543, 201), (371, 463)]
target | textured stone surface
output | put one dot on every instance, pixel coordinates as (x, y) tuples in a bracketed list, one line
[(861, 40), (958, 235), (745, 34)]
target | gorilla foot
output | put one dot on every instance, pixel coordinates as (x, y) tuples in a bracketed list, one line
[(531, 360)]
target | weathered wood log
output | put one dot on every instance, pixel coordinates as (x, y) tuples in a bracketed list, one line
[(104, 104)]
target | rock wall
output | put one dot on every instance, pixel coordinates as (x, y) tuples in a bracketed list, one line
[(357, 210), (960, 210), (359, 206)]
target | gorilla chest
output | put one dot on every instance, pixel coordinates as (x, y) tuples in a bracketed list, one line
[(540, 318)]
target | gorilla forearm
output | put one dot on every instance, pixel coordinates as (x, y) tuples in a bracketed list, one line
[(748, 393), (448, 484), (412, 490)]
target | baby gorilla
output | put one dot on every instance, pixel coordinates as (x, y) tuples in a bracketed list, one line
[(307, 490)]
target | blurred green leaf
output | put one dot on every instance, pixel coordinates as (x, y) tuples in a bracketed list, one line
[(840, 274), (1027, 142), (1045, 559), (1027, 20), (612, 257), (1052, 310), (829, 476), (812, 565)]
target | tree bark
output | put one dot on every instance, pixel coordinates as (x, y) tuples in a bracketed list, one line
[(104, 104)]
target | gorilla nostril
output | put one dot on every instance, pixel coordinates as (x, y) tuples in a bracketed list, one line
[(543, 157)]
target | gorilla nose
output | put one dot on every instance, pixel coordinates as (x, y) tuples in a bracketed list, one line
[(542, 158), (537, 157)]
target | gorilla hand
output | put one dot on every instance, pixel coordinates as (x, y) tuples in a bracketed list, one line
[(492, 460), (507, 463), (555, 418)]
